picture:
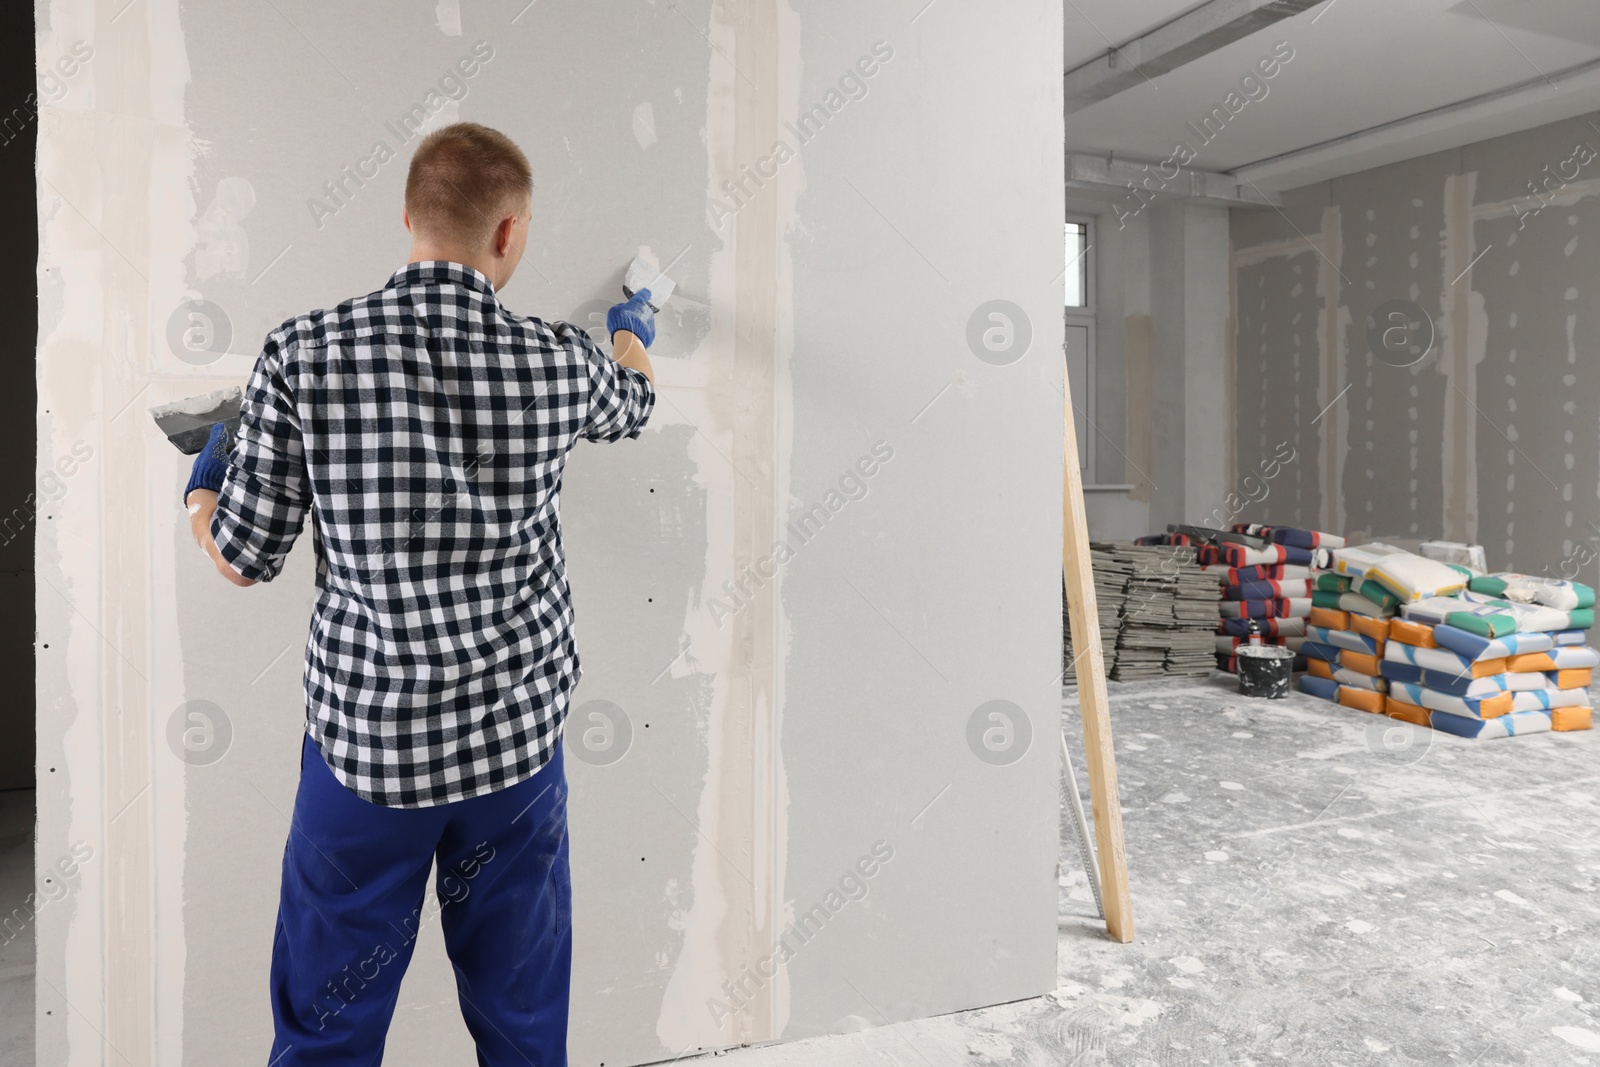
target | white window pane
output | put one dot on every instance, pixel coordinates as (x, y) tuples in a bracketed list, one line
[(1077, 276)]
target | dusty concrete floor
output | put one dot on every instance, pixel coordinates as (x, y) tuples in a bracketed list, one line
[(1305, 892)]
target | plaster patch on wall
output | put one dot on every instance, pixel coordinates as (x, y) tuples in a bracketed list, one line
[(1462, 328), (224, 244), (742, 400), (117, 215), (644, 125), (447, 13)]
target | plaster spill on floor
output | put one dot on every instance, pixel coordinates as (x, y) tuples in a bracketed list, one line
[(1131, 1011), (1230, 785), (1566, 994), (1358, 926), (1217, 857), (1175, 798), (1159, 707), (1511, 898), (990, 1047), (1242, 734), (1587, 1040), (1351, 832), (1187, 964), (1330, 752), (1116, 978)]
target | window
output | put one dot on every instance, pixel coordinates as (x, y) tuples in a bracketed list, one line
[(1079, 311), (1077, 264)]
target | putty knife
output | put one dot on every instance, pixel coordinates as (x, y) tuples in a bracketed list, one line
[(642, 275), (187, 423)]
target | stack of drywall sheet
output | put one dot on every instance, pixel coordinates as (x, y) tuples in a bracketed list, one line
[(1110, 590), (1156, 610), (1149, 620), (1193, 647)]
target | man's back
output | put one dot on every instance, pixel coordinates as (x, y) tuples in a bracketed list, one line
[(427, 428)]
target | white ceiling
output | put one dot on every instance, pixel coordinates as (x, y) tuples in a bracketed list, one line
[(1357, 64)]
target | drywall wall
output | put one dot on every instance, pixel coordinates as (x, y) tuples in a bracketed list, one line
[(813, 787), (1470, 415)]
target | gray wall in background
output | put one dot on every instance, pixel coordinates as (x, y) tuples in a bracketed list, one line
[(1161, 322), (826, 329), (1490, 434)]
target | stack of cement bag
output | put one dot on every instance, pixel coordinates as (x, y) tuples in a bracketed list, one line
[(1354, 604), (1474, 655), (1270, 585)]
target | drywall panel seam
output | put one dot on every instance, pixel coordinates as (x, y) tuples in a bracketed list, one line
[(1459, 361), (737, 870), (1244, 257), (107, 249), (1518, 206), (778, 912), (1334, 429)]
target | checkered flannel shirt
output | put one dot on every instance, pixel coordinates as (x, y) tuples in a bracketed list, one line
[(425, 429)]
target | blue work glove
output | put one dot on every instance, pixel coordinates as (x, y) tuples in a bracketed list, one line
[(211, 465), (634, 316)]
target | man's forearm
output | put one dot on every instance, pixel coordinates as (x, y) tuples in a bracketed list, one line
[(629, 352), (202, 505)]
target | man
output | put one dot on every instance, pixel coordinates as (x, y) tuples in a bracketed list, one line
[(425, 429)]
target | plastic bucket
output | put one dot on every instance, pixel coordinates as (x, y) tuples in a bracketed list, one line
[(1264, 670)]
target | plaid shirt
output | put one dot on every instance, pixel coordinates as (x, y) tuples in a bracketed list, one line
[(425, 429)]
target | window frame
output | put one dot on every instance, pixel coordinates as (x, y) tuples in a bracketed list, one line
[(1085, 317)]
